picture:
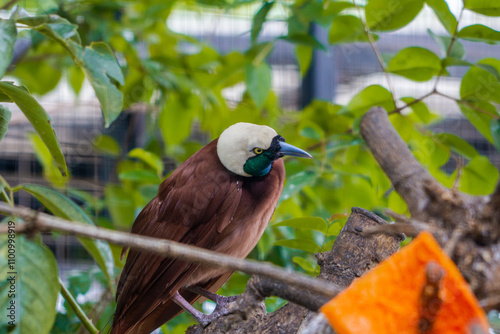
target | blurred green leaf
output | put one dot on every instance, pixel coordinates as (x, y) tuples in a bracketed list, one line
[(300, 244), (36, 286), (120, 205), (304, 264), (42, 153), (106, 145), (388, 15), (258, 81), (480, 33), (64, 207), (259, 19), (310, 223), (8, 35), (442, 11), (304, 56), (348, 29), (175, 121), (481, 84), (305, 40), (485, 7), (457, 50), (495, 133), (76, 78), (479, 177), (420, 109), (39, 119), (457, 144), (40, 77), (140, 175), (371, 96), (149, 158), (479, 119), (5, 115), (415, 63), (297, 182)]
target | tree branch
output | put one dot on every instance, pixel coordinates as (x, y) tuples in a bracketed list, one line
[(167, 248), (398, 163)]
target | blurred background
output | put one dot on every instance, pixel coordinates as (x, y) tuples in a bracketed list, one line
[(170, 54)]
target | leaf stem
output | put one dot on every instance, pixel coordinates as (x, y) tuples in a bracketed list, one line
[(86, 322)]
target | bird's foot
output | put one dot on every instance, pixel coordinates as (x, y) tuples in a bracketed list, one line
[(223, 305)]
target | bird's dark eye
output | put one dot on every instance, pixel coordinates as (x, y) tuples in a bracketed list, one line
[(258, 150)]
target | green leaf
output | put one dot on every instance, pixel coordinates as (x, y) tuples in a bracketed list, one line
[(175, 121), (296, 183), (309, 223), (303, 39), (304, 264), (140, 175), (479, 119), (457, 144), (348, 29), (76, 78), (64, 207), (374, 95), (106, 145), (39, 119), (415, 63), (42, 153), (149, 158), (301, 244), (259, 19), (495, 132), (36, 286), (8, 35), (480, 33), (420, 109), (5, 115), (485, 7), (56, 28), (104, 73), (442, 11), (304, 56), (120, 205), (443, 42), (258, 81), (480, 83), (388, 15), (479, 177)]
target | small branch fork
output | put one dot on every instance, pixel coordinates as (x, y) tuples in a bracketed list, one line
[(167, 248)]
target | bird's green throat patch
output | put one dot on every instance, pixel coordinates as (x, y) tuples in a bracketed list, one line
[(259, 165)]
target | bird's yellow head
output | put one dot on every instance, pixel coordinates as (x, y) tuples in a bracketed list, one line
[(249, 150)]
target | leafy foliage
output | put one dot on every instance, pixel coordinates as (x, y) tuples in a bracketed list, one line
[(129, 55)]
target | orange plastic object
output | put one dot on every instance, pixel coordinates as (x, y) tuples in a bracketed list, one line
[(388, 299)]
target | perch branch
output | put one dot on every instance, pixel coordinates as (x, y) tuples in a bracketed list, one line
[(167, 248)]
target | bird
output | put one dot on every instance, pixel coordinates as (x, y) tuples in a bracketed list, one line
[(221, 198)]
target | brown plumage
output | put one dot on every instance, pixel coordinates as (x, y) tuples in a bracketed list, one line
[(201, 204)]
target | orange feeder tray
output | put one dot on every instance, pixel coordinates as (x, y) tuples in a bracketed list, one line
[(389, 298)]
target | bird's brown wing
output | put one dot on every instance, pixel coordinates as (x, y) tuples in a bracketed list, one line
[(192, 206)]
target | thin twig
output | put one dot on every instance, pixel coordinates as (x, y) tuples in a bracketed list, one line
[(168, 248), (86, 322), (449, 246)]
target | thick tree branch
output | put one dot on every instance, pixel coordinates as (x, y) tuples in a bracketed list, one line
[(398, 163), (167, 248)]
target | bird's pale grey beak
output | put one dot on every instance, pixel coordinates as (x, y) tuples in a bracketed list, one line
[(287, 149)]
